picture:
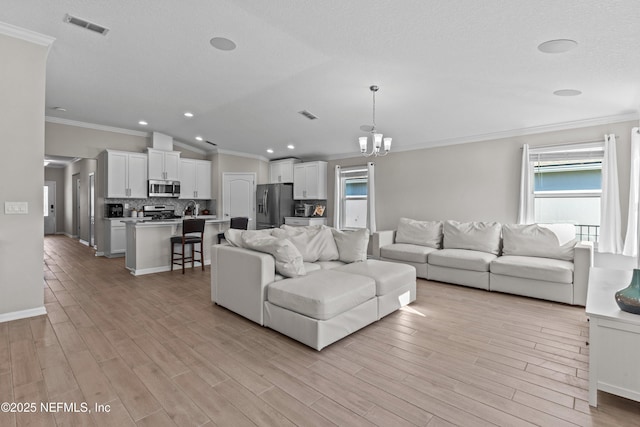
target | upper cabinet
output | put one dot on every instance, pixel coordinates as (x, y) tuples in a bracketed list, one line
[(126, 175), (310, 181), (164, 165), (195, 179), (281, 170)]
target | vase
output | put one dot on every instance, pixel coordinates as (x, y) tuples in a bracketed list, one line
[(628, 299)]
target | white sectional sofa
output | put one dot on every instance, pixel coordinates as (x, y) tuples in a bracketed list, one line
[(313, 284), (535, 260)]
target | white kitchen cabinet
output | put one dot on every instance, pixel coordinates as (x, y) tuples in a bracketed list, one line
[(310, 181), (164, 165), (195, 179), (116, 241), (126, 175), (281, 170)]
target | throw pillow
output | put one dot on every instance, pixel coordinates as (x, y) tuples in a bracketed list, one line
[(233, 237), (475, 236), (288, 259), (423, 233), (538, 240), (315, 244), (352, 245)]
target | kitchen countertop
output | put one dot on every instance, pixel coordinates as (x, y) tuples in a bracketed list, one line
[(212, 219)]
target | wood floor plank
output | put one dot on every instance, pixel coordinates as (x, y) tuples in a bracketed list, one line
[(94, 384), (33, 393), (25, 366), (216, 406), (295, 411), (132, 393), (180, 409)]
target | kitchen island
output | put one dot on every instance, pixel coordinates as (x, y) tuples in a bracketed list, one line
[(149, 247)]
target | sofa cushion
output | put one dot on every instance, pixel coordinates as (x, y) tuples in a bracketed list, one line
[(311, 267), (462, 259), (389, 276), (536, 268), (327, 265), (423, 233), (539, 240), (406, 252), (323, 294), (475, 236), (288, 259), (313, 243), (352, 245)]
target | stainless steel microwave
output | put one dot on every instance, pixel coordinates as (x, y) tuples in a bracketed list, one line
[(159, 188)]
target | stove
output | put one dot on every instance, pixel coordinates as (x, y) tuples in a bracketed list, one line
[(160, 212)]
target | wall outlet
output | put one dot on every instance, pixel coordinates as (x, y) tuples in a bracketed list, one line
[(16, 208)]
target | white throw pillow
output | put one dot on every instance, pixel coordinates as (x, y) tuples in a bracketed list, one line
[(315, 244), (352, 245), (288, 259), (475, 236), (539, 240), (423, 233), (233, 237)]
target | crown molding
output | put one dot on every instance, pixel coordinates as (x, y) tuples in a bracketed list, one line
[(26, 35), (96, 127), (240, 154), (577, 124)]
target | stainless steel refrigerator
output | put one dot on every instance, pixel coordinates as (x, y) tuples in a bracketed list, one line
[(273, 203)]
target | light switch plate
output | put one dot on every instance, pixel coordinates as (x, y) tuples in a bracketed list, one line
[(16, 208)]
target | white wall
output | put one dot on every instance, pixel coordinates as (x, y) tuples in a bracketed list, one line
[(470, 182), (22, 85)]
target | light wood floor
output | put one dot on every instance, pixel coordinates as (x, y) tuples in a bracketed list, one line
[(159, 353)]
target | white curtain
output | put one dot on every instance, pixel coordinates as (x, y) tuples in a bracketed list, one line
[(337, 196), (371, 198), (631, 239), (610, 227), (525, 208)]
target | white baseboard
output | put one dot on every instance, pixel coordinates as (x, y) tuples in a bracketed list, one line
[(99, 253), (84, 242), (142, 271), (22, 314)]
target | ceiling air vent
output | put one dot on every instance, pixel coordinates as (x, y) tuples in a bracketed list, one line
[(309, 115), (86, 24)]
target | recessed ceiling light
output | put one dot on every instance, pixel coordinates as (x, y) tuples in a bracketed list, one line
[(222, 43), (61, 109), (143, 123), (199, 138), (270, 150), (291, 146), (46, 162), (188, 114), (567, 92), (557, 46)]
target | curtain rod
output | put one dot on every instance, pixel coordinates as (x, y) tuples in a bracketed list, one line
[(563, 144)]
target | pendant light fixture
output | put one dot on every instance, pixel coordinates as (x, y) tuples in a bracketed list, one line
[(377, 140)]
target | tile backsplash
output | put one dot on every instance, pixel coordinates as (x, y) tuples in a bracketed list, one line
[(179, 204)]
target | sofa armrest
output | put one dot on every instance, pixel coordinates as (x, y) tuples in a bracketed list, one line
[(239, 279), (380, 239), (582, 262)]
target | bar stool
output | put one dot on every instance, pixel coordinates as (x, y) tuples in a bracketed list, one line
[(190, 230), (238, 223)]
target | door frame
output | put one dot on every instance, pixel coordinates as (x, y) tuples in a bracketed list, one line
[(225, 177), (52, 184)]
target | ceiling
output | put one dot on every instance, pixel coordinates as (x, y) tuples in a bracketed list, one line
[(448, 71)]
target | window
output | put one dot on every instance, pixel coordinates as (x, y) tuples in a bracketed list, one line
[(353, 198), (568, 186)]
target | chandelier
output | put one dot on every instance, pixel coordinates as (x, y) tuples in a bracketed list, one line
[(376, 138)]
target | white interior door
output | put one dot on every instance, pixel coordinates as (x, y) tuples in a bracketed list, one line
[(238, 196), (49, 207)]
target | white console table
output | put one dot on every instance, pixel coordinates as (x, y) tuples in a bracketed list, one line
[(614, 338)]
